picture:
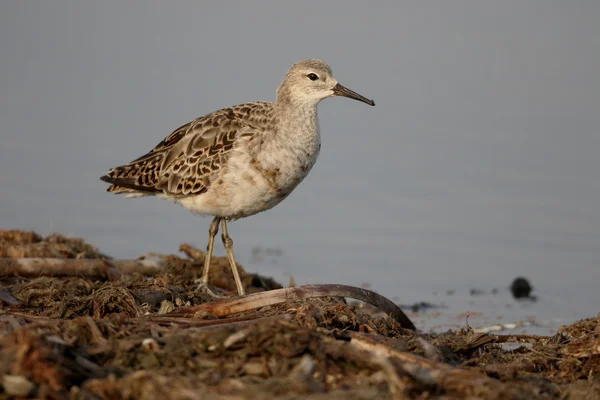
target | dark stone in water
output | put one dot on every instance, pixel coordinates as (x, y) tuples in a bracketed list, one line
[(521, 288)]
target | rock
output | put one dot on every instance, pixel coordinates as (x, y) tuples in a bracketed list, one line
[(521, 288)]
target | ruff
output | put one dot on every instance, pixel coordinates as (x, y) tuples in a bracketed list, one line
[(240, 160)]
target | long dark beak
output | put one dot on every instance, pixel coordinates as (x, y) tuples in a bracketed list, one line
[(340, 90)]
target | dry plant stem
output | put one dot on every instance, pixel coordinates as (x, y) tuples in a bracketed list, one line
[(225, 307), (181, 321), (228, 244), (238, 323), (31, 318), (191, 252), (94, 330), (90, 268)]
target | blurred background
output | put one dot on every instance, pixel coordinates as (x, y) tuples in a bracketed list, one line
[(478, 164)]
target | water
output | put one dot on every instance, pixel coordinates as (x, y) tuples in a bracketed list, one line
[(478, 164), (497, 312)]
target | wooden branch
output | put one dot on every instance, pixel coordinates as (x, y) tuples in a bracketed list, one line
[(225, 307), (428, 372), (91, 268)]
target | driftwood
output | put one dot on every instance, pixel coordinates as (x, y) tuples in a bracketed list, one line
[(427, 372), (225, 307), (89, 268)]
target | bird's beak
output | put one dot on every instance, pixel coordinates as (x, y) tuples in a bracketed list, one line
[(340, 90)]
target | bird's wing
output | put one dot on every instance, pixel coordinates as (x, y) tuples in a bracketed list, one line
[(187, 160)]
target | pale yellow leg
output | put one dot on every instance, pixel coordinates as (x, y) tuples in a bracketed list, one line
[(228, 244), (212, 232)]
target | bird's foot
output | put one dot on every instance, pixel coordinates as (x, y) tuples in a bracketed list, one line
[(208, 290)]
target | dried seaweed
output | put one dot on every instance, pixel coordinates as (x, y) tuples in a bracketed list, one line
[(83, 337)]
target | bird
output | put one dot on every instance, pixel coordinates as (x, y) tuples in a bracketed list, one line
[(237, 161)]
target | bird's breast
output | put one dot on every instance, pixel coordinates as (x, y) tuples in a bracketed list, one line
[(258, 178), (291, 163)]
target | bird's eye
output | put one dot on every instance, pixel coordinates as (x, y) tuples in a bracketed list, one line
[(312, 77)]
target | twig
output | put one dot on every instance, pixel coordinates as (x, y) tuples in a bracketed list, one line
[(192, 252), (97, 336), (427, 372)]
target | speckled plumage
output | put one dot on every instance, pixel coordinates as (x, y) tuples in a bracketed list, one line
[(193, 160), (240, 160)]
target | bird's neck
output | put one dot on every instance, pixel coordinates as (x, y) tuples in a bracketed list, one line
[(295, 140), (297, 120)]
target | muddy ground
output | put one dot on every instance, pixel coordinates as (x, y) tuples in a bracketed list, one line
[(116, 334)]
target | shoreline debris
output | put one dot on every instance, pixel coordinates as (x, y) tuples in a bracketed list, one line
[(146, 336)]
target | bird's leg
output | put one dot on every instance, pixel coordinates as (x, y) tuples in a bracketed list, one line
[(228, 244), (212, 232)]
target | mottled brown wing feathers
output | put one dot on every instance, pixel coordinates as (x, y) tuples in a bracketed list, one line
[(187, 160)]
